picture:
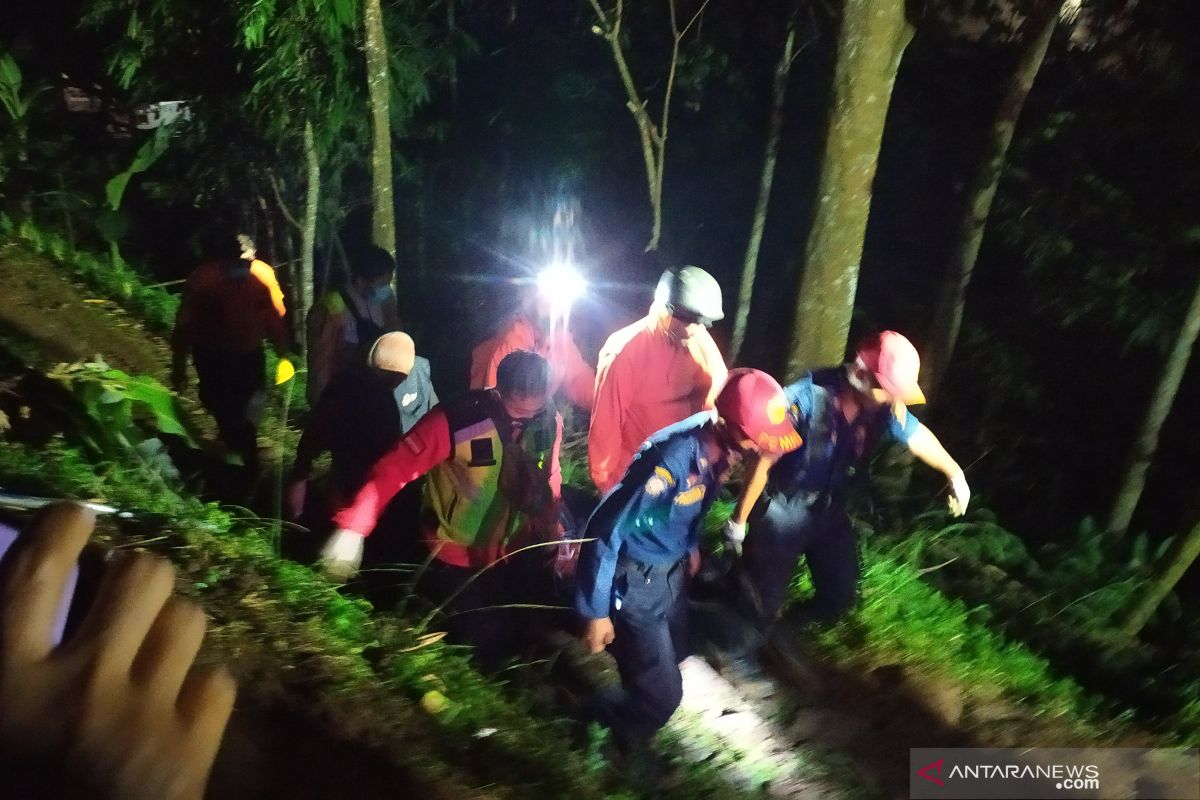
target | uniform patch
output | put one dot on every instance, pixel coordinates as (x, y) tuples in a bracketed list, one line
[(691, 496), (415, 444)]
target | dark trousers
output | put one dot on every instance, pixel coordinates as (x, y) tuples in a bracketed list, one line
[(473, 601), (651, 640), (781, 530), (232, 386)]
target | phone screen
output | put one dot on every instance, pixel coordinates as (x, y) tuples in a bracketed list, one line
[(8, 536)]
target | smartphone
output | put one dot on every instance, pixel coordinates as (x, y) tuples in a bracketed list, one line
[(81, 584)]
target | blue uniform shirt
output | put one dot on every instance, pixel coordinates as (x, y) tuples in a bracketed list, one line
[(653, 515), (832, 446)]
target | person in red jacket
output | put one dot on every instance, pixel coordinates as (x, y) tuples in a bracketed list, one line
[(493, 488), (659, 370), (534, 328)]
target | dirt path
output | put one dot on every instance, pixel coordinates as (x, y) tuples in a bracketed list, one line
[(67, 323)]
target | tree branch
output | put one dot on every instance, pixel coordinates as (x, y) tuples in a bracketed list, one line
[(287, 214)]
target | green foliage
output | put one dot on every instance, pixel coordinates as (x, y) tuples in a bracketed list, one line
[(120, 416), (109, 275), (149, 152)]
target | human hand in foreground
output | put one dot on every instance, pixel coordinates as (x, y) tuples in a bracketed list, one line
[(960, 495), (598, 634), (342, 555), (120, 700)]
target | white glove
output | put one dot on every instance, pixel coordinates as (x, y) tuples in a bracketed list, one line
[(735, 534), (342, 555), (960, 495)]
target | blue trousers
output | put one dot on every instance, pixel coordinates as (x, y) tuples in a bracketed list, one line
[(784, 528), (651, 639)]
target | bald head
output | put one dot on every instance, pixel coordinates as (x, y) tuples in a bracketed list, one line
[(393, 352)]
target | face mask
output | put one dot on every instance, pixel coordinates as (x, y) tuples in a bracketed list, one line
[(381, 293)]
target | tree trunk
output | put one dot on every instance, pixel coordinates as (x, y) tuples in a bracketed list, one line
[(309, 233), (1146, 443), (947, 317), (383, 224), (774, 130), (1174, 563), (871, 42)]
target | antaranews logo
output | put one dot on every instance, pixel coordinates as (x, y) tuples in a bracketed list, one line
[(1040, 772), (936, 766)]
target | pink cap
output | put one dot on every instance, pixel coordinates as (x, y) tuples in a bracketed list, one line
[(894, 362)]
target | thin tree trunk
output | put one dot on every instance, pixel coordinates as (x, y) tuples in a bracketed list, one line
[(1174, 564), (309, 234), (451, 27), (68, 223), (871, 42), (653, 137), (774, 132), (1146, 443), (383, 223), (947, 317)]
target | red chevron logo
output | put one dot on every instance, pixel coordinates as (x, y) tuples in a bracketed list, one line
[(934, 767)]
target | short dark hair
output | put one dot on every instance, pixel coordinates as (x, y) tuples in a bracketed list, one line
[(372, 263), (221, 246), (523, 372)]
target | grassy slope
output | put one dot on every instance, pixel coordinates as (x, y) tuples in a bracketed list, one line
[(356, 667)]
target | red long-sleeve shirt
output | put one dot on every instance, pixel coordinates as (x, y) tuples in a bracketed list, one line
[(645, 381)]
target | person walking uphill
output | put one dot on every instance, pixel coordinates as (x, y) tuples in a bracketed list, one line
[(841, 413), (345, 322), (223, 319), (631, 580), (360, 416), (655, 372), (493, 488), (534, 328)]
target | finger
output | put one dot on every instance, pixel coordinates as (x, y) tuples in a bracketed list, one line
[(163, 661), (34, 580), (130, 597), (204, 705)]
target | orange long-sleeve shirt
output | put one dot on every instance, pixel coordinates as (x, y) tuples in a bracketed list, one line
[(266, 276), (645, 381), (568, 371)]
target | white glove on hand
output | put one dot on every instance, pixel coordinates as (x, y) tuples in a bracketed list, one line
[(960, 495), (342, 555), (735, 534)]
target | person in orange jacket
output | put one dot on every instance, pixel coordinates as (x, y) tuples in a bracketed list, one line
[(534, 328), (223, 319), (653, 373), (263, 271)]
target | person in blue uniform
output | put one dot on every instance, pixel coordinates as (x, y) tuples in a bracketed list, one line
[(642, 546), (795, 504)]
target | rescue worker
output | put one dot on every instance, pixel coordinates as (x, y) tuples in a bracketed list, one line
[(224, 316), (534, 328), (346, 321), (361, 415), (263, 271), (841, 413), (653, 373), (631, 582), (493, 488)]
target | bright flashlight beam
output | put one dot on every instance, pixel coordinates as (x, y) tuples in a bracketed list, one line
[(561, 284)]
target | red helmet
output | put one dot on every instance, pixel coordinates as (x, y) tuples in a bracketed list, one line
[(752, 402)]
